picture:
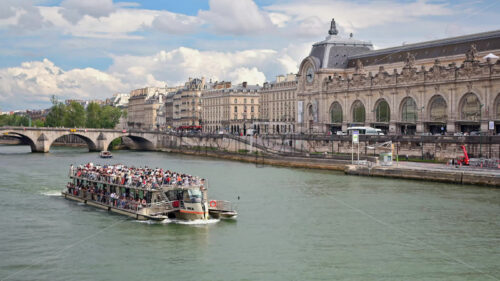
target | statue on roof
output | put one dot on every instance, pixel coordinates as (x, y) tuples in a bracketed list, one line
[(410, 60), (471, 54), (333, 28), (358, 69)]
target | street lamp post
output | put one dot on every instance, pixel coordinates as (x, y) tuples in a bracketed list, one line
[(480, 133)]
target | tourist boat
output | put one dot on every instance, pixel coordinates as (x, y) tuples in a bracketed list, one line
[(105, 154), (99, 187)]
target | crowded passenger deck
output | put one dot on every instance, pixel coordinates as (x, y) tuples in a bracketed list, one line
[(144, 193)]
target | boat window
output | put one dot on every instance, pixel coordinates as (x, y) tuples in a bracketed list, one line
[(194, 193), (185, 195)]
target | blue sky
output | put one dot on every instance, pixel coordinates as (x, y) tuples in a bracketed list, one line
[(94, 48)]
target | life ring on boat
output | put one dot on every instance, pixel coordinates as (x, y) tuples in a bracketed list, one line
[(213, 203)]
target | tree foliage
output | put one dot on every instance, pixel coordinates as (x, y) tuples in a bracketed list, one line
[(14, 120), (75, 115), (110, 116), (93, 115), (55, 118)]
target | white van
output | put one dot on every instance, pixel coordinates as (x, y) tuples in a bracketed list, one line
[(250, 132), (363, 130)]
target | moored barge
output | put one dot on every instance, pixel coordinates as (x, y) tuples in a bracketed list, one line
[(144, 193)]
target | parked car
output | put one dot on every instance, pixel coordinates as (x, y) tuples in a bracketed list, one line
[(340, 133)]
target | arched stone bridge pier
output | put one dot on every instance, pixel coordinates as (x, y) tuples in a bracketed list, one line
[(40, 139)]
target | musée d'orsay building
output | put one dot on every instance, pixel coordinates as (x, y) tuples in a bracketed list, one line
[(442, 86)]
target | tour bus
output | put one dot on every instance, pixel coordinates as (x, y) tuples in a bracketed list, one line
[(364, 131)]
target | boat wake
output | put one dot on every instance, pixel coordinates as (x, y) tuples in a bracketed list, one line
[(52, 193)]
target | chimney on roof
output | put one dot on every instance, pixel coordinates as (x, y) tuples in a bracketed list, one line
[(244, 84)]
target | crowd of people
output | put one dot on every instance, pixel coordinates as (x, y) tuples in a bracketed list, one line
[(146, 178), (101, 195)]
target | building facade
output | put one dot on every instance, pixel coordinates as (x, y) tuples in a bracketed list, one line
[(187, 104), (445, 86), (278, 102), (143, 108), (231, 109), (169, 109)]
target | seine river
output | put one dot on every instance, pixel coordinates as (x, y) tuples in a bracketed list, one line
[(294, 224)]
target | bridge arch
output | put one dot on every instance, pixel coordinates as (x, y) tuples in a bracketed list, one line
[(134, 142), (24, 138), (140, 143), (91, 144)]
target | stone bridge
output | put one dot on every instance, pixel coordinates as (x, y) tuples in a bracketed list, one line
[(40, 139)]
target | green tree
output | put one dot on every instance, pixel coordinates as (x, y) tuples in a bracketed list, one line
[(94, 116), (38, 123), (14, 120), (75, 115), (55, 118), (110, 116)]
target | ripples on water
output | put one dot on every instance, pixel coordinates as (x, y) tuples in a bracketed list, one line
[(293, 224)]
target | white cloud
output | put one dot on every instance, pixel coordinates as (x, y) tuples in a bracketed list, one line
[(7, 9), (121, 23), (21, 16), (278, 19), (236, 17), (177, 65), (245, 74), (36, 81), (31, 19), (176, 23), (75, 10), (352, 16)]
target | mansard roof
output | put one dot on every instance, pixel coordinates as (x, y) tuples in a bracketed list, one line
[(333, 52), (484, 41)]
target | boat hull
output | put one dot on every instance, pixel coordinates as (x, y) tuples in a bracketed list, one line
[(223, 215)]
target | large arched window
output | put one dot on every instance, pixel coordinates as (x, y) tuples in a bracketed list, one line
[(382, 112), (409, 111), (336, 113), (471, 108), (358, 112), (437, 110)]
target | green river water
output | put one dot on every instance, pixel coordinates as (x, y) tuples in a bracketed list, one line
[(293, 224)]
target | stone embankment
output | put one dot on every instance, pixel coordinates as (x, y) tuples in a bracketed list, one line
[(440, 175), (425, 172)]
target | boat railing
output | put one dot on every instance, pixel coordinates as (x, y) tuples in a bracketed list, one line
[(222, 205), (124, 203), (169, 205)]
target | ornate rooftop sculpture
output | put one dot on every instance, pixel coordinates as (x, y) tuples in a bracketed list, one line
[(333, 28), (472, 53)]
